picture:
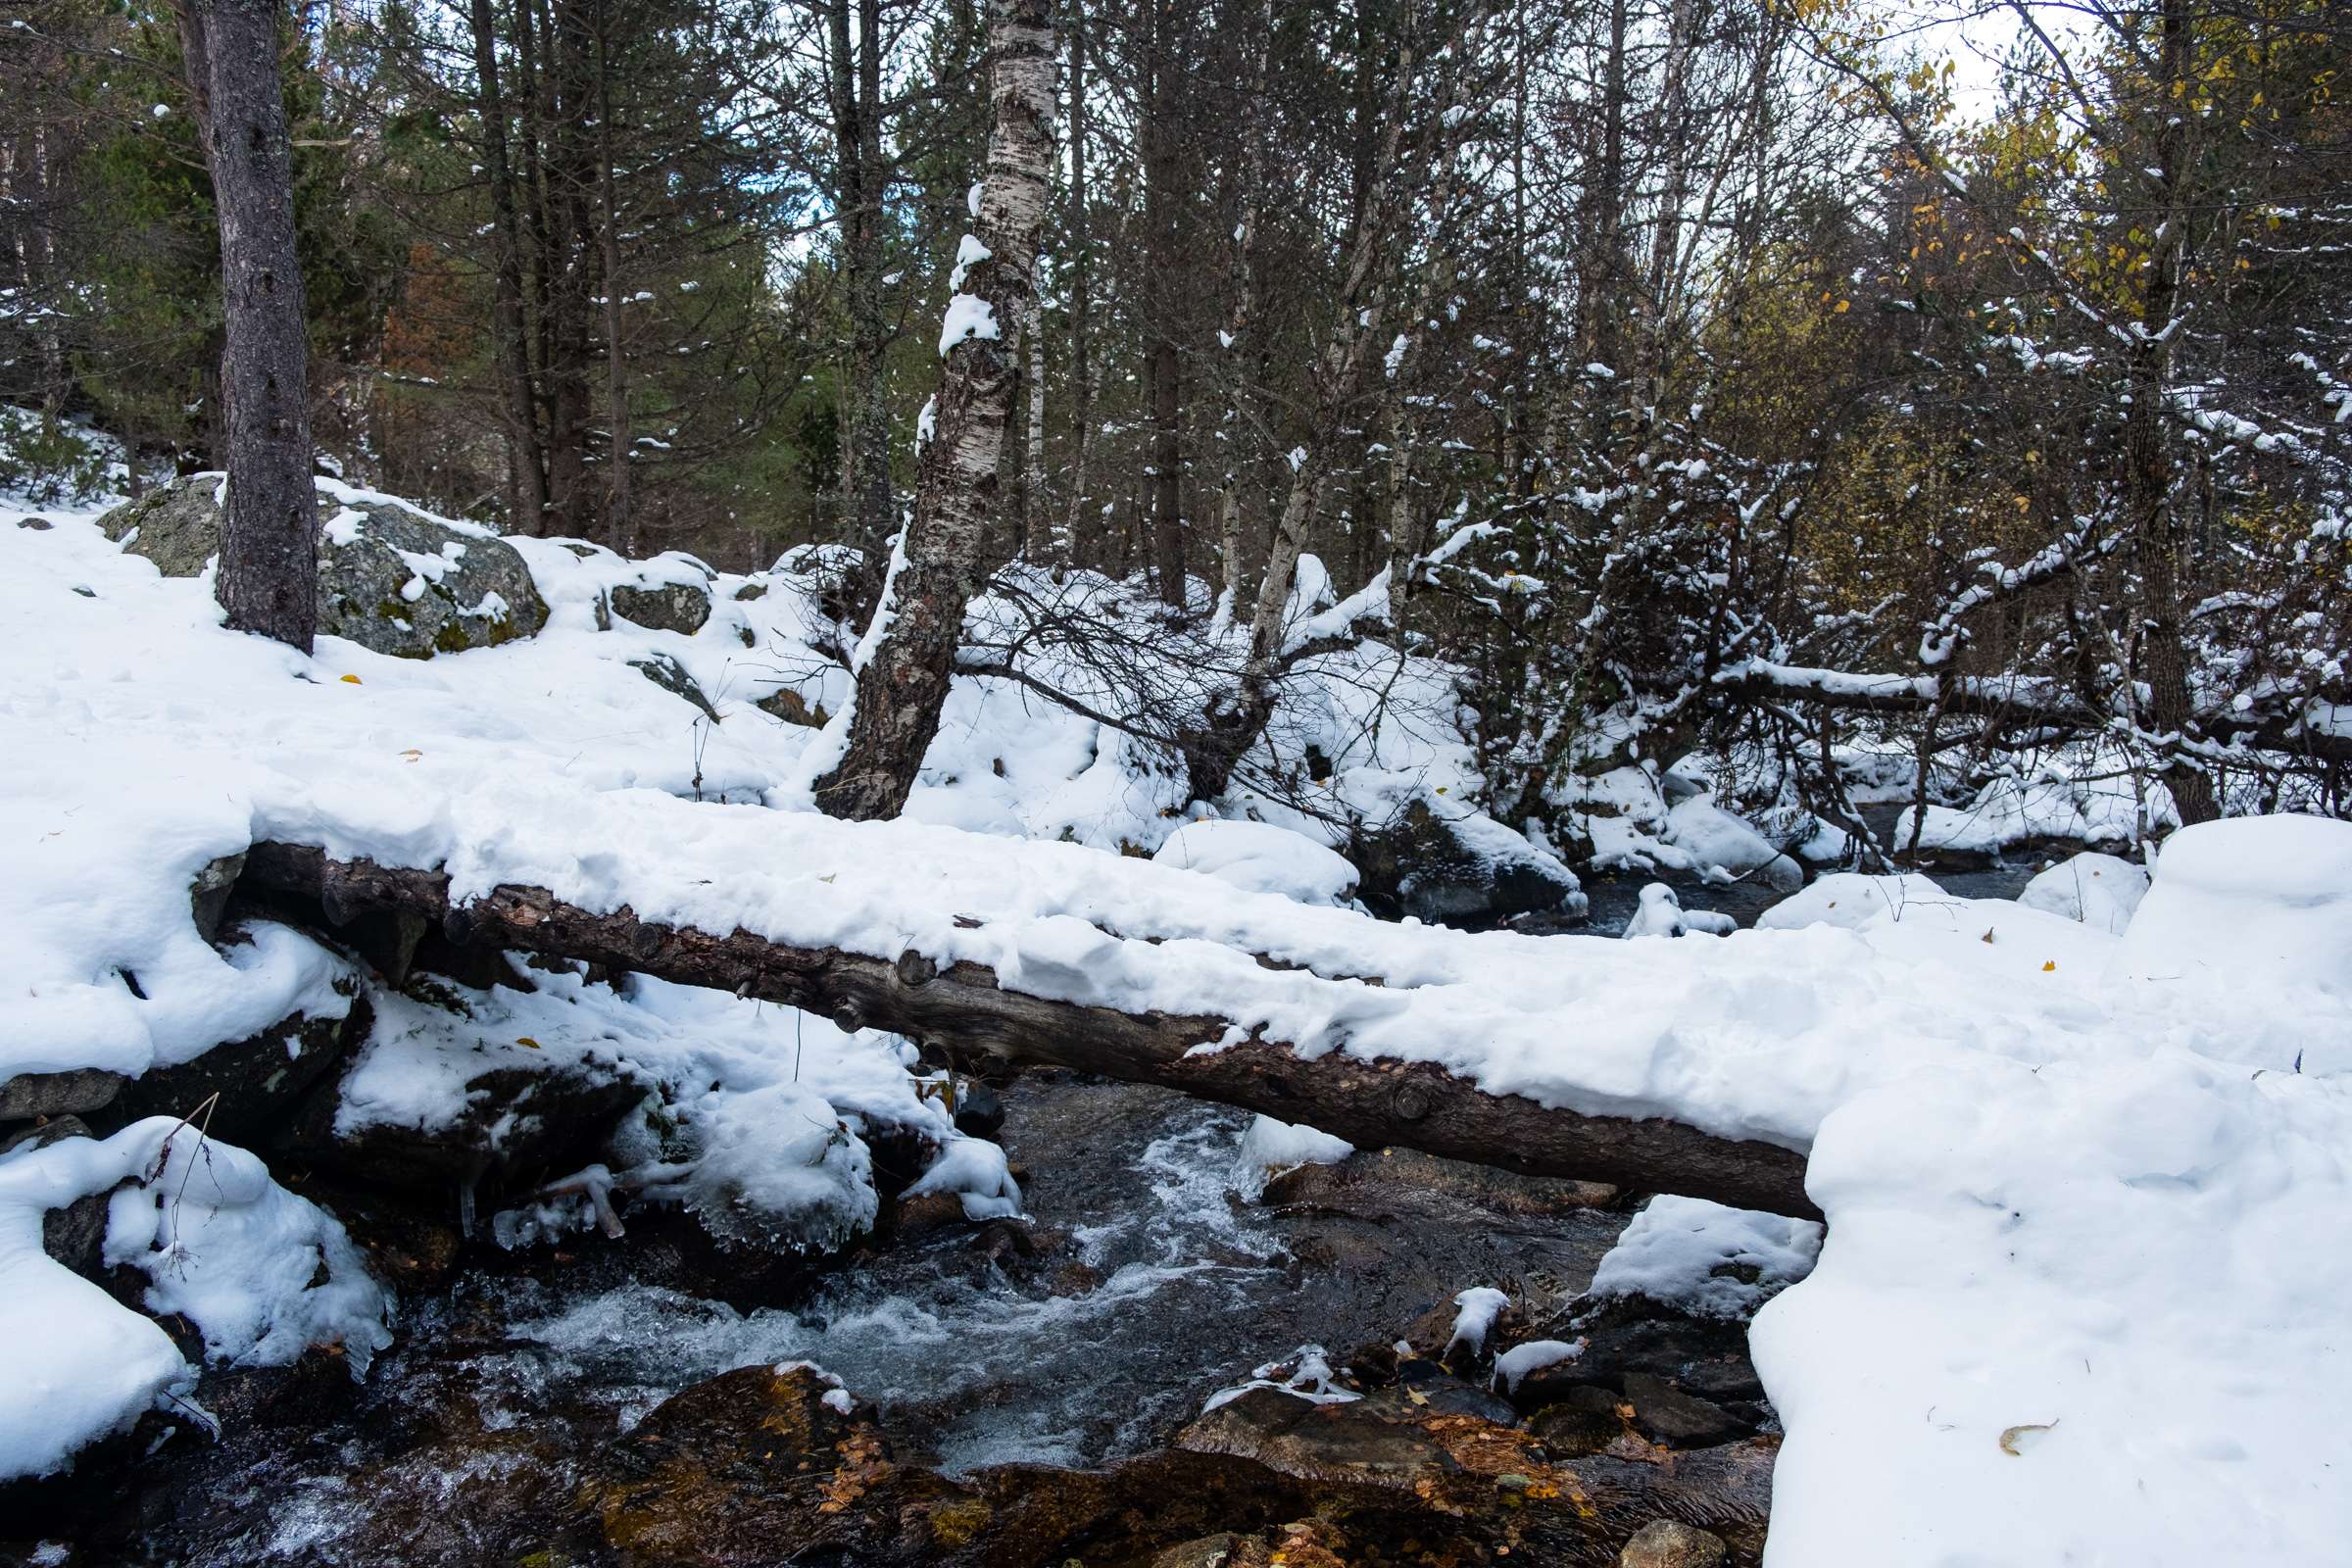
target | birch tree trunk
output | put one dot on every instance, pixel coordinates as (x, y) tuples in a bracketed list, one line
[(269, 573), (1062, 541), (904, 661)]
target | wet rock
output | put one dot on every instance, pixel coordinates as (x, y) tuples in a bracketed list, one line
[(927, 1214), (679, 607), (1671, 1544), (519, 1124), (1209, 1551), (77, 1091), (1704, 1356), (1665, 1414), (390, 578), (1375, 1183), (1468, 870), (731, 1471), (1585, 1420), (1428, 1386), (208, 895), (979, 1110), (252, 1083), (670, 676)]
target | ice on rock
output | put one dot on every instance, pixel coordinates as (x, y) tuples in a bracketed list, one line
[(1270, 1147), (975, 1171), (1481, 1306)]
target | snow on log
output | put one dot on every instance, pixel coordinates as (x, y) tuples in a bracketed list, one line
[(1371, 1102)]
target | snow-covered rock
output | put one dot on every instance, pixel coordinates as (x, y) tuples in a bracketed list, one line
[(2250, 904), (2052, 809), (1724, 844), (1458, 865), (261, 1273), (1705, 1259), (2100, 889), (1260, 858), (1850, 899), (391, 577), (1270, 1147)]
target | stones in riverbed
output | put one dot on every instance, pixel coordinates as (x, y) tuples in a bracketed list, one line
[(1671, 1544)]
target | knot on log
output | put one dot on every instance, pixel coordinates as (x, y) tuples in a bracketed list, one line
[(645, 941), (1410, 1102), (916, 970), (848, 1016), (459, 925)]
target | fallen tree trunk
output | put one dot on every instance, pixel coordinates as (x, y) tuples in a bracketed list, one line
[(1372, 1103)]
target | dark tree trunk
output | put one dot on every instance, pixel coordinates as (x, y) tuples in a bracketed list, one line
[(527, 462), (2149, 476), (269, 573), (905, 678), (1167, 266)]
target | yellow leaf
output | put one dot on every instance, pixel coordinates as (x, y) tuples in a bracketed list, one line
[(350, 680), (526, 1040), (2010, 1436), (2050, 966)]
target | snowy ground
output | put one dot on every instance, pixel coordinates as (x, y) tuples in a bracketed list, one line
[(2089, 1233)]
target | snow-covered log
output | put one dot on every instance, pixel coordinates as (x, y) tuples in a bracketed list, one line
[(1371, 1102), (2029, 703)]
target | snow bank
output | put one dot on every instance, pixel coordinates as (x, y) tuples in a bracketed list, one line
[(1851, 900), (2249, 904), (1706, 1258), (2100, 889), (1259, 858), (261, 1273)]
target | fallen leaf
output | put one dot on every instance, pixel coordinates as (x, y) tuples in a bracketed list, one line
[(411, 754), (1988, 936), (350, 680), (2050, 966), (2010, 1436), (526, 1040)]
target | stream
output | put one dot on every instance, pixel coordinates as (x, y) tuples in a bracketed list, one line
[(1141, 1285)]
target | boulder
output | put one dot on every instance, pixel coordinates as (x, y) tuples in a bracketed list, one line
[(256, 1080), (76, 1091), (679, 607), (1672, 1543), (518, 1126), (391, 578), (1467, 869), (670, 676)]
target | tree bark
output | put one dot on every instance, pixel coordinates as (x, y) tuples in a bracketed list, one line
[(621, 440), (269, 573), (527, 462), (2148, 460), (1167, 397), (911, 649), (1062, 542), (1373, 1103)]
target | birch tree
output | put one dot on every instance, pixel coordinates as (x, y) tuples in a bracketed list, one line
[(903, 664)]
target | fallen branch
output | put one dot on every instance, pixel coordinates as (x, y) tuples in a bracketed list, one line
[(1372, 1103)]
